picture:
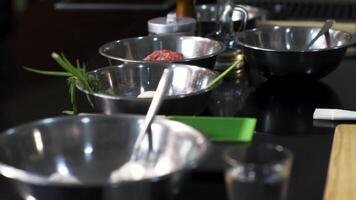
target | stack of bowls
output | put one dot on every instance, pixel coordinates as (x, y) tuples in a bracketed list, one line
[(130, 75)]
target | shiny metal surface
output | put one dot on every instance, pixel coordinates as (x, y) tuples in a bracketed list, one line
[(172, 25), (187, 93), (207, 16), (274, 52), (156, 102), (207, 13), (196, 50), (323, 30), (88, 149), (224, 31)]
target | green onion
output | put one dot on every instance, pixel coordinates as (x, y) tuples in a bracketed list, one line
[(51, 73), (238, 62), (74, 74)]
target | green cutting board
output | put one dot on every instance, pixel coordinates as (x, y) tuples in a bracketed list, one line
[(221, 129)]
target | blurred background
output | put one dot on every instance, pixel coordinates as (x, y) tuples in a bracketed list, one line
[(31, 29), (57, 21)]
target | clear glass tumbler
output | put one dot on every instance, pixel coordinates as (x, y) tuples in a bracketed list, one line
[(257, 171)]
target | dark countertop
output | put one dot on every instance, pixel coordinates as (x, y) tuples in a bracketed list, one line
[(284, 112)]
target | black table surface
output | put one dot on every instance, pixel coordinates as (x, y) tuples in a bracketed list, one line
[(284, 112)]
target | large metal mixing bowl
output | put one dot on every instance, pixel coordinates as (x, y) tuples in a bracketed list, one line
[(187, 93), (278, 52), (43, 158), (196, 50)]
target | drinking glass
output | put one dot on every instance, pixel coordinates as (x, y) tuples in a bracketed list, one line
[(257, 171)]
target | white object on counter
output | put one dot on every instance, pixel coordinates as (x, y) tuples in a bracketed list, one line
[(131, 170), (147, 94), (171, 25), (334, 114), (57, 177)]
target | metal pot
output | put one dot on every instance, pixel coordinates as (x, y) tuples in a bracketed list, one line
[(206, 18)]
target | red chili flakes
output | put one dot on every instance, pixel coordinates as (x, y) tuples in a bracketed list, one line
[(164, 55)]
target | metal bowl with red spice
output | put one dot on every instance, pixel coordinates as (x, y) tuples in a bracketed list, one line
[(164, 55), (191, 50)]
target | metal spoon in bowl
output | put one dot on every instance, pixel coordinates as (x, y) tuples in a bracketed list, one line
[(136, 168), (155, 104), (325, 28)]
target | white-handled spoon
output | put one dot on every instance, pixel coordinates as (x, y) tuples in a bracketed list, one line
[(137, 168), (334, 114)]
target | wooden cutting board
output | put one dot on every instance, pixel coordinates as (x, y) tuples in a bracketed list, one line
[(341, 178)]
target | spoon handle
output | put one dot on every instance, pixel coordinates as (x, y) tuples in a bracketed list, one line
[(334, 114), (155, 103), (327, 25)]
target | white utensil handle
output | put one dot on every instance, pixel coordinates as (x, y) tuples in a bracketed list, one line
[(334, 114)]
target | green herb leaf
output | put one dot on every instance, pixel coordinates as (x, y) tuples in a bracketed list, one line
[(66, 65), (68, 112), (238, 62), (73, 93), (75, 74), (51, 73)]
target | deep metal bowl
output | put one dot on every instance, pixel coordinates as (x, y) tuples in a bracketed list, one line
[(196, 50), (88, 149), (187, 92), (277, 52)]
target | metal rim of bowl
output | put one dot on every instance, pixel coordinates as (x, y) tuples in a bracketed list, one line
[(133, 98), (215, 53), (351, 41), (32, 178)]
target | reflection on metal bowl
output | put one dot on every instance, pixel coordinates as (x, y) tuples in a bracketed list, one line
[(277, 52), (198, 51), (88, 149), (187, 93)]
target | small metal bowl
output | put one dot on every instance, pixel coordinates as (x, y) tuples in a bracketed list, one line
[(187, 93), (71, 158), (278, 52), (196, 50)]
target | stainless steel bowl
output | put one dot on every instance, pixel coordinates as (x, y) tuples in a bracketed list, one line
[(196, 50), (187, 93), (277, 52), (88, 149)]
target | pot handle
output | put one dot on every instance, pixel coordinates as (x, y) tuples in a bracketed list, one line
[(244, 13), (225, 26), (353, 41)]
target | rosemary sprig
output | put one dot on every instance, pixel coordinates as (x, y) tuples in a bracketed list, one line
[(73, 74)]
